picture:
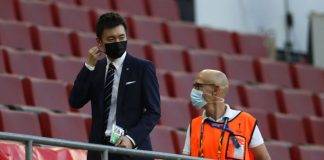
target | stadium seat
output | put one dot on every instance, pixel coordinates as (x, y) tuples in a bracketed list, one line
[(69, 2), (314, 129), (198, 60), (260, 96), (308, 77), (52, 39), (288, 127), (307, 152), (279, 149), (274, 72), (27, 63), (296, 102), (218, 40), (239, 68), (102, 4), (58, 125), (82, 42), (182, 33), (233, 95), (167, 57), (20, 122), (30, 11), (164, 8), (161, 138), (65, 69), (262, 121), (181, 84), (171, 108), (137, 48), (254, 45), (180, 138), (15, 34), (163, 85), (3, 62), (38, 94), (7, 10), (131, 6), (73, 17), (319, 103), (147, 28), (12, 91)]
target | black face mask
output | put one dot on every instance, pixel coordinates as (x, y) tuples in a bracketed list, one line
[(116, 49)]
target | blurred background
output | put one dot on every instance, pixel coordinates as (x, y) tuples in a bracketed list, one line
[(272, 52)]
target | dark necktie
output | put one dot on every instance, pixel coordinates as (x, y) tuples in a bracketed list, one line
[(108, 91)]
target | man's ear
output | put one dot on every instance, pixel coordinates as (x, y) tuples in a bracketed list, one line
[(99, 42)]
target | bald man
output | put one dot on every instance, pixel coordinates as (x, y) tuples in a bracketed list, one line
[(221, 132)]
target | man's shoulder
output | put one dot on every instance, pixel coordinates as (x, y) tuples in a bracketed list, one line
[(141, 61)]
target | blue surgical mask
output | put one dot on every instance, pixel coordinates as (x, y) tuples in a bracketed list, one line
[(197, 98)]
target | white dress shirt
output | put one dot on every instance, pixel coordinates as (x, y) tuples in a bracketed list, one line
[(118, 64), (256, 140)]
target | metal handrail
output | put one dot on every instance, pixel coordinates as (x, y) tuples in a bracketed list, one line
[(29, 140)]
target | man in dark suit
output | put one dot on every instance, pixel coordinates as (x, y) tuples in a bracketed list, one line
[(123, 90)]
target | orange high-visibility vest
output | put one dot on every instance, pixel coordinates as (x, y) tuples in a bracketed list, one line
[(242, 126)]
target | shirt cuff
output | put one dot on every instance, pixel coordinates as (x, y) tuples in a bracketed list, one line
[(131, 139), (91, 68)]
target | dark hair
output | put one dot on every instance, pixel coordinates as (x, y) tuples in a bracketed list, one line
[(109, 20)]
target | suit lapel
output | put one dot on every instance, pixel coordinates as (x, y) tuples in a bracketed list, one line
[(124, 76)]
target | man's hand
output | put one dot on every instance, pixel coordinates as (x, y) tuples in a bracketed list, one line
[(93, 56), (124, 142)]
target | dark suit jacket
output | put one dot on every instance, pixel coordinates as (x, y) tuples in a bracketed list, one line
[(138, 104)]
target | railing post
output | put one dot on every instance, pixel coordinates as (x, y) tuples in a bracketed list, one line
[(105, 155), (29, 150)]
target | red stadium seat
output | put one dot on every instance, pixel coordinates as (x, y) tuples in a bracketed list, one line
[(233, 95), (27, 63), (182, 33), (274, 72), (137, 48), (217, 40), (319, 103), (131, 6), (262, 121), (163, 85), (239, 68), (181, 84), (164, 8), (73, 17), (82, 42), (297, 102), (161, 138), (180, 138), (314, 129), (279, 150), (20, 122), (287, 127), (11, 88), (15, 34), (38, 94), (65, 69), (103, 4), (52, 39), (199, 60), (308, 77), (58, 125), (254, 45), (147, 28), (171, 108), (307, 152), (7, 10), (36, 12), (2, 62), (69, 2), (167, 57), (260, 96)]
